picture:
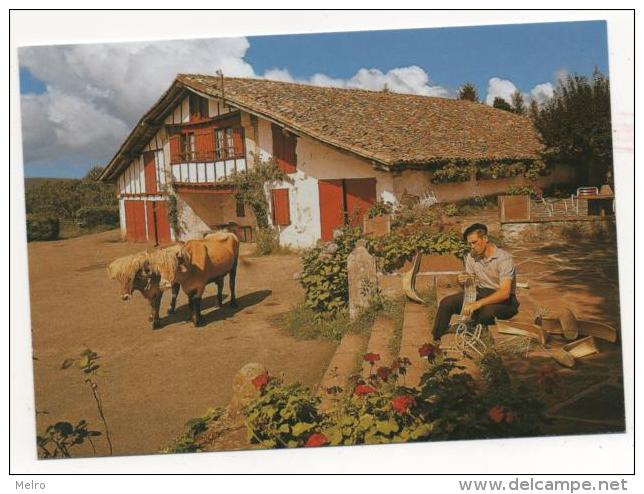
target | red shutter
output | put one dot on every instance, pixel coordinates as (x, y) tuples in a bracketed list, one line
[(281, 215), (135, 221), (163, 225), (360, 196), (284, 149), (175, 149), (238, 141), (204, 144), (149, 167), (331, 204), (278, 138)]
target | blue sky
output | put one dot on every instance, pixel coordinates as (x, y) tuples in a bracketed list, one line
[(77, 106)]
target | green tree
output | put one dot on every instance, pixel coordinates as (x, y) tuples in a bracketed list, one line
[(518, 105), (93, 173), (533, 110), (575, 127), (501, 104), (468, 92)]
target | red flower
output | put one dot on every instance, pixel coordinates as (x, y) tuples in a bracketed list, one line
[(371, 357), (260, 381), (428, 350), (362, 389), (383, 373), (316, 439), (496, 414), (402, 403)]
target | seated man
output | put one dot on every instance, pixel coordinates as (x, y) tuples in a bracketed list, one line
[(496, 284)]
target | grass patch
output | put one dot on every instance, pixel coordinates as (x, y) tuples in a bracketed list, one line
[(302, 323)]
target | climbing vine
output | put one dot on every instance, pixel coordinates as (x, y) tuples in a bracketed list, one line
[(459, 171)]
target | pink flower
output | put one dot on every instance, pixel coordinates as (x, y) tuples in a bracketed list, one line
[(362, 389), (496, 414), (316, 439), (371, 357), (428, 350), (383, 373), (260, 381), (402, 403)]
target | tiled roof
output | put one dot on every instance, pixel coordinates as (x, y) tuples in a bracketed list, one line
[(388, 127)]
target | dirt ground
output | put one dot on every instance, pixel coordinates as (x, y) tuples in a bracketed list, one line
[(153, 381)]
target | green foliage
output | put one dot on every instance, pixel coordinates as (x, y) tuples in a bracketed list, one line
[(93, 174), (173, 214), (468, 92), (575, 127), (380, 408), (63, 198), (88, 364), (41, 227), (524, 190), (304, 323), (59, 438), (518, 105), (324, 275), (379, 208), (187, 443), (501, 104), (250, 186), (91, 216), (267, 241), (284, 416), (393, 250), (453, 171)]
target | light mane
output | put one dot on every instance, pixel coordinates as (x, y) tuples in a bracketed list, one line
[(124, 268), (164, 261)]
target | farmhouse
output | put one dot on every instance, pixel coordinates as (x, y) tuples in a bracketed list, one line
[(343, 148)]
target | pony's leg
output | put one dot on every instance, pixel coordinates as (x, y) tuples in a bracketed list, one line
[(233, 275), (196, 300), (220, 291), (156, 304), (191, 305), (175, 294)]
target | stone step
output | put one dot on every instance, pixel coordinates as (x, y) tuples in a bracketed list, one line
[(415, 333), (342, 365), (381, 334)]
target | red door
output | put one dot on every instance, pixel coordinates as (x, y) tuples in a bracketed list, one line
[(135, 221), (163, 226), (157, 220), (149, 167), (344, 198), (331, 207), (360, 195)]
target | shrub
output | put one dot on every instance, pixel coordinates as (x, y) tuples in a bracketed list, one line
[(380, 408), (524, 190), (91, 216), (267, 241), (324, 275), (379, 208), (284, 416), (42, 227), (304, 323)]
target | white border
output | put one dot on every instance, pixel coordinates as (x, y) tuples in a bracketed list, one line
[(601, 453)]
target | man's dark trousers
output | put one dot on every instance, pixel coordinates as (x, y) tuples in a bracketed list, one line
[(452, 304)]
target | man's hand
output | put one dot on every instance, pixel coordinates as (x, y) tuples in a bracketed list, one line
[(471, 308), (462, 278)]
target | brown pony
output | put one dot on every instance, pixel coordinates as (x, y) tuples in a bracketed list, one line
[(135, 273), (197, 263)]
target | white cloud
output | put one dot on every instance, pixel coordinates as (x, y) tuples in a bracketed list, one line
[(95, 93), (542, 92), (499, 88), (408, 80)]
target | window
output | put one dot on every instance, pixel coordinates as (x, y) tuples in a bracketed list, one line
[(241, 211), (281, 214), (284, 149), (198, 108), (188, 150), (229, 143)]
